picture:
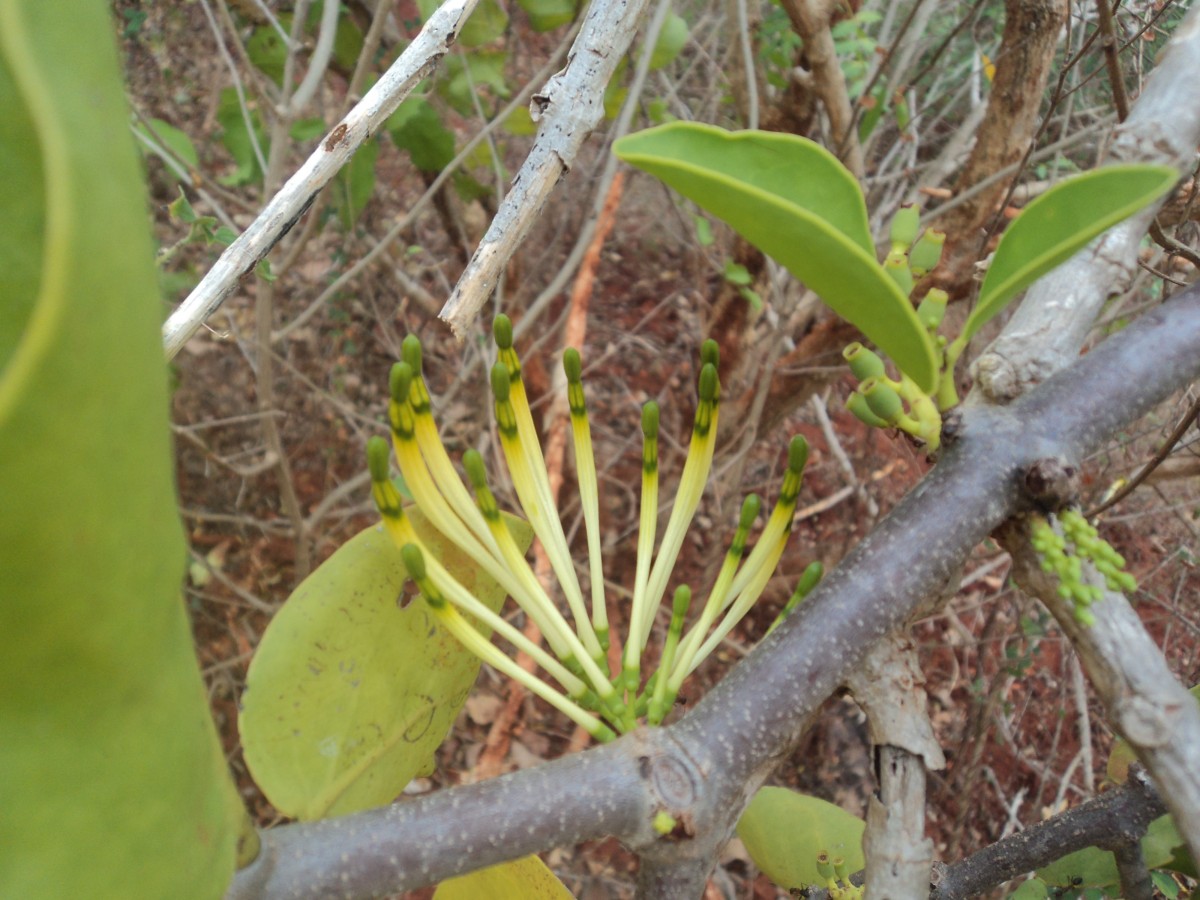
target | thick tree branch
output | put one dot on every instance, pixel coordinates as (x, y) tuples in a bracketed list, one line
[(334, 151), (702, 769)]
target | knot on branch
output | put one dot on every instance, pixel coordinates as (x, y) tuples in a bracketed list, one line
[(1051, 483)]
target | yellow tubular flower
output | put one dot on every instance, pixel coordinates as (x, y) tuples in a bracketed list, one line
[(542, 516), (781, 517), (489, 653), (716, 597), (645, 550), (387, 500), (691, 486), (434, 451), (562, 639), (589, 493)]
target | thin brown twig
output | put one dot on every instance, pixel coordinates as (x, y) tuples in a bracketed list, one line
[(1155, 461)]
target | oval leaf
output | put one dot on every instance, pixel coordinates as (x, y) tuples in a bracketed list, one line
[(1093, 867), (1060, 222), (784, 831), (348, 696), (793, 200), (113, 780), (522, 879)]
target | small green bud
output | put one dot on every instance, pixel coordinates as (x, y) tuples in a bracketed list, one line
[(927, 252), (864, 363), (857, 404), (680, 603), (824, 867), (896, 266), (664, 823), (476, 473), (378, 455), (810, 578), (882, 399), (502, 331), (650, 420), (414, 561), (501, 385), (905, 223), (710, 353), (572, 365), (410, 352), (708, 382), (399, 381), (933, 309), (797, 454), (750, 509)]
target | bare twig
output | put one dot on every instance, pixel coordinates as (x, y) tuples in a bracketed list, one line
[(334, 151), (567, 109)]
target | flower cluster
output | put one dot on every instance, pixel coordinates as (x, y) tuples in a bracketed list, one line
[(602, 701), (837, 878), (1066, 562)]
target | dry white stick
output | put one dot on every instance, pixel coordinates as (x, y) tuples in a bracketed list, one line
[(567, 109), (335, 150), (1052, 322)]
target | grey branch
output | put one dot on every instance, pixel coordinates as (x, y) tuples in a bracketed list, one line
[(334, 151), (1127, 810), (1049, 328), (566, 110), (702, 769)]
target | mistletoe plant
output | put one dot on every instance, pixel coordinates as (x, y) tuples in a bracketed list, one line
[(792, 199)]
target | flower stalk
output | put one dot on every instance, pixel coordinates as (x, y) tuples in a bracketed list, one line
[(604, 703)]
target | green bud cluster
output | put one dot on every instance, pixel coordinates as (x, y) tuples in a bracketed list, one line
[(1062, 553), (883, 402)]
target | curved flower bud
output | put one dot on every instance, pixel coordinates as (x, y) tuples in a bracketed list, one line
[(863, 362)]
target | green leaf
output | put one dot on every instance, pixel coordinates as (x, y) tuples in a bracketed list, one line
[(1058, 223), (1033, 889), (236, 138), (1094, 867), (546, 15), (176, 141), (522, 879), (267, 50), (784, 831), (793, 200), (486, 69), (671, 40), (487, 22), (113, 778), (415, 126), (349, 696)]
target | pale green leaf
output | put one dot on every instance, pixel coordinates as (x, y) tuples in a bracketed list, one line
[(671, 40), (348, 695), (1060, 222), (175, 140), (522, 879), (1093, 867), (793, 200), (546, 15), (112, 776), (784, 831)]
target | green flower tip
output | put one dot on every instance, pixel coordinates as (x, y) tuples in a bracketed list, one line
[(683, 599), (400, 379), (476, 473), (810, 578), (750, 509), (708, 383), (502, 332), (650, 420), (710, 353), (501, 384), (414, 561), (410, 352), (797, 454), (905, 224), (378, 453), (882, 399), (933, 308), (572, 365), (864, 363)]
